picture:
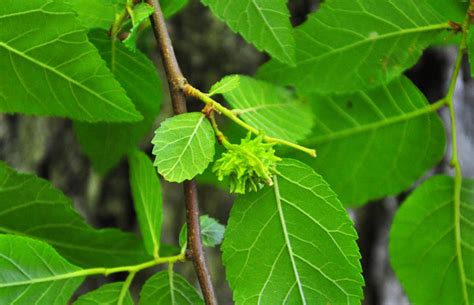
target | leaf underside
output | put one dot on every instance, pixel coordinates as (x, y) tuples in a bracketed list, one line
[(294, 241), (273, 109), (432, 263), (375, 143), (31, 206), (351, 44), (31, 273), (161, 290), (49, 68), (106, 143), (265, 24)]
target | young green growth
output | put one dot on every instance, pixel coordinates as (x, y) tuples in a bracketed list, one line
[(249, 165)]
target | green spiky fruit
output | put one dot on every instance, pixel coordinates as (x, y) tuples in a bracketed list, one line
[(249, 165)]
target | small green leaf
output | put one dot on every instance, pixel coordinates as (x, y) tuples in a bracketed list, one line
[(226, 84), (354, 44), (33, 272), (31, 206), (271, 108), (292, 243), (97, 13), (434, 264), (169, 288), (107, 294), (139, 15), (375, 143), (49, 67), (266, 24), (183, 146), (147, 198), (212, 232), (106, 143), (171, 7)]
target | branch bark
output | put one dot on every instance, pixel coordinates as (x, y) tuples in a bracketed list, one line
[(176, 82)]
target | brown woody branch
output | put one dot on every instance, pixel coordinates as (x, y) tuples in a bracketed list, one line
[(176, 81)]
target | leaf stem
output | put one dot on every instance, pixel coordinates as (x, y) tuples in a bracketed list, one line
[(125, 288), (103, 271), (210, 102), (454, 159)]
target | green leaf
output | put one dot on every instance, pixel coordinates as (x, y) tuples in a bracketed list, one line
[(171, 7), (169, 288), (274, 109), (97, 13), (183, 146), (226, 84), (212, 232), (352, 44), (453, 10), (375, 143), (433, 263), (265, 24), (147, 198), (292, 243), (31, 206), (49, 67), (106, 143), (139, 15), (33, 272), (106, 295)]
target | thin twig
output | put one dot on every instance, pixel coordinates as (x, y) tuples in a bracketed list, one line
[(176, 81)]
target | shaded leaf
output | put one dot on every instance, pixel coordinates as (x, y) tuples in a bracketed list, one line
[(226, 84), (375, 143), (147, 198), (33, 271), (139, 15), (160, 289), (49, 68), (31, 206), (434, 265), (265, 24), (183, 146), (107, 294), (97, 13), (106, 143), (353, 44), (294, 241), (274, 109), (212, 232)]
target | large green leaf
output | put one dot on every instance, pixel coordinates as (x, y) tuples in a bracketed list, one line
[(274, 109), (375, 143), (31, 206), (106, 143), (106, 295), (97, 13), (32, 272), (434, 263), (265, 24), (169, 288), (454, 10), (353, 44), (470, 48), (147, 198), (184, 146), (292, 243), (49, 68)]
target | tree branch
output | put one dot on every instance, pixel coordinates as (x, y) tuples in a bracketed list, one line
[(176, 81)]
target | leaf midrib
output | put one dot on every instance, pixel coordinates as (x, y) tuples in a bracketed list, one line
[(67, 78)]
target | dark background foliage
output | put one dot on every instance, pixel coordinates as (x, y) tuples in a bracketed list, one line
[(208, 50)]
